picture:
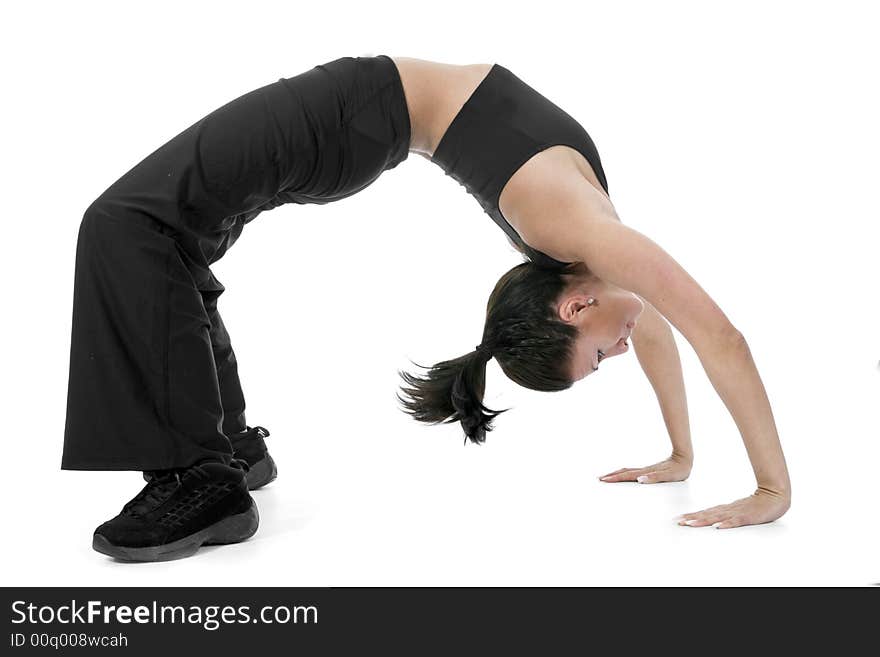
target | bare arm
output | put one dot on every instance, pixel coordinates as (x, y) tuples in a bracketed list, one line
[(583, 229), (628, 259), (658, 356)]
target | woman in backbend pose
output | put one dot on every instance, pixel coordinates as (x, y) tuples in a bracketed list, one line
[(153, 379)]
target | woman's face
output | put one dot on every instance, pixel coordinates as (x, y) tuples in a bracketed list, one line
[(605, 316)]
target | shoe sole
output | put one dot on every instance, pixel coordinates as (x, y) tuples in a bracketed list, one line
[(261, 473), (232, 529)]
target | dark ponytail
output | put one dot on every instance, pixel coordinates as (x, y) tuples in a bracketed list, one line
[(452, 391), (524, 334)]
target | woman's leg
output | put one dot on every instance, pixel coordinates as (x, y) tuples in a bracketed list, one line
[(231, 395), (152, 373), (143, 388)]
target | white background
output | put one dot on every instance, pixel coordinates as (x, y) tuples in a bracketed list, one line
[(743, 139)]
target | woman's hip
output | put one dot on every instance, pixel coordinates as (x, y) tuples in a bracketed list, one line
[(316, 137)]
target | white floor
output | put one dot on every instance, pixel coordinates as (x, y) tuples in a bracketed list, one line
[(383, 501)]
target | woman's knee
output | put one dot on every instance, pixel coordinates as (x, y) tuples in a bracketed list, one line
[(110, 216)]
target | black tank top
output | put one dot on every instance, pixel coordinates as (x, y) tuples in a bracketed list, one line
[(502, 124)]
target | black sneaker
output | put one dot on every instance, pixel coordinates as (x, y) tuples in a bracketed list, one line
[(178, 511), (250, 447)]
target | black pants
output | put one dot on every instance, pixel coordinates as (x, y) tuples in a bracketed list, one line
[(153, 377)]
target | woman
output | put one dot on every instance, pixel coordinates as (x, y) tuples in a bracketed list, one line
[(153, 378)]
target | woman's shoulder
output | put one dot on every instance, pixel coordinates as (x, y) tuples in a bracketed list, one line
[(544, 196)]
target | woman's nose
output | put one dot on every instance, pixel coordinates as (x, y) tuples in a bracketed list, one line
[(631, 324)]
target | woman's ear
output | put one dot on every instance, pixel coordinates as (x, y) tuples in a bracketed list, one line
[(573, 305)]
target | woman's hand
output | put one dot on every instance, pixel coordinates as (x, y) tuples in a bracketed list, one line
[(761, 506), (675, 468)]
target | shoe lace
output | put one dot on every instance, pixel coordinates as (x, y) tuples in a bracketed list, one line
[(161, 484), (248, 434)]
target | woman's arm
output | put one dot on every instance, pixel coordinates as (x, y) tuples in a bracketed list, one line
[(658, 356), (580, 227)]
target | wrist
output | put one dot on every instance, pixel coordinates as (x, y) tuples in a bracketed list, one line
[(781, 490), (682, 456)]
